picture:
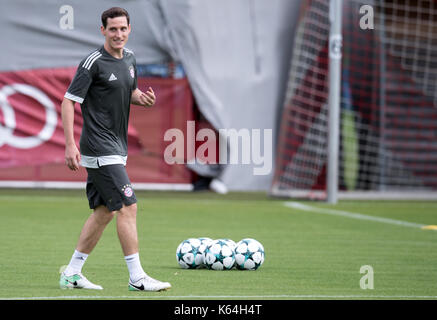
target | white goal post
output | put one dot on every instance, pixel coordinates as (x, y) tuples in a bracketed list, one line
[(334, 71)]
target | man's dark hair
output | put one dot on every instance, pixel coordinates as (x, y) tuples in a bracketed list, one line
[(114, 12)]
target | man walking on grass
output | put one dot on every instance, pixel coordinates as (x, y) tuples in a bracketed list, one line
[(105, 85)]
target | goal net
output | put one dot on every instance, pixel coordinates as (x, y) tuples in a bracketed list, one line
[(388, 117)]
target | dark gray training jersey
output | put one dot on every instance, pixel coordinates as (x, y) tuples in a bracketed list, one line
[(103, 86)]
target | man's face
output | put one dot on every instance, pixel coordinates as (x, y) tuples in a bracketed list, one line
[(116, 32)]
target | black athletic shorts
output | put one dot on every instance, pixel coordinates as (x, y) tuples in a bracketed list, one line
[(109, 186)]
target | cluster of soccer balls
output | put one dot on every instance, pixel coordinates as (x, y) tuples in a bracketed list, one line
[(220, 254)]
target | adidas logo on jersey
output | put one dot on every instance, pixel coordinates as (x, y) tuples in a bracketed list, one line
[(112, 77)]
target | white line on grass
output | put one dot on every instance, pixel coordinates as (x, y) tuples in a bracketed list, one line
[(229, 297), (304, 207)]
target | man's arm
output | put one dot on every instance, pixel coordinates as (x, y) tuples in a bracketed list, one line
[(72, 154), (143, 99)]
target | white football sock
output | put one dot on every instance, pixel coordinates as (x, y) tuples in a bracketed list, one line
[(76, 263), (134, 266)]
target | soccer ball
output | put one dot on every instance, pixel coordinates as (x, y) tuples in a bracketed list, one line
[(188, 255), (249, 254), (219, 255), (231, 243), (204, 242)]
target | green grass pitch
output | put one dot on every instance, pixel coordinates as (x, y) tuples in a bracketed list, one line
[(308, 255)]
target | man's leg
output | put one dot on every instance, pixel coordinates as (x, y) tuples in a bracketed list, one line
[(91, 232), (127, 233), (127, 229), (93, 229), (128, 236)]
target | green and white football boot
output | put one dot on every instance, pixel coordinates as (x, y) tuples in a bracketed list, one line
[(147, 283), (77, 281)]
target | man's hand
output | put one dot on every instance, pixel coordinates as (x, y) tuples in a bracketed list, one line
[(146, 99), (72, 157)]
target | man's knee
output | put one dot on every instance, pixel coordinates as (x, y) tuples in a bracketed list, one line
[(103, 215), (128, 210)]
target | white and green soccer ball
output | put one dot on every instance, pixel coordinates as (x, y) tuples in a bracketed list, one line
[(231, 243), (188, 255), (204, 242), (249, 254), (219, 255)]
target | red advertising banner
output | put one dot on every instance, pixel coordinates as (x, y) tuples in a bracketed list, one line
[(32, 138)]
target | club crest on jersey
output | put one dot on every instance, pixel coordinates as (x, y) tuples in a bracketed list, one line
[(127, 190), (132, 71)]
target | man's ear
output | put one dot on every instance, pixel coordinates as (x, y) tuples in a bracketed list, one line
[(102, 30)]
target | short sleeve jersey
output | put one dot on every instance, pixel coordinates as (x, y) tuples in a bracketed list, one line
[(103, 86)]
